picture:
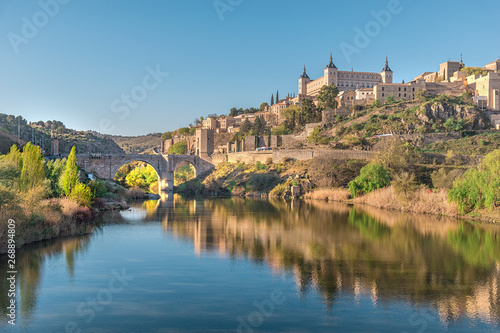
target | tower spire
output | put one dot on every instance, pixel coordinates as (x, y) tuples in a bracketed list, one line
[(330, 63)]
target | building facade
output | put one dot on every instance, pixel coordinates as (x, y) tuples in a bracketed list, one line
[(344, 80)]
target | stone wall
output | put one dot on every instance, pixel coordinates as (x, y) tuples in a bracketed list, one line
[(277, 156)]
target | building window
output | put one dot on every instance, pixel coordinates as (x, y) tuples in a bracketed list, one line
[(382, 88), (382, 94), (399, 89), (405, 94), (405, 89)]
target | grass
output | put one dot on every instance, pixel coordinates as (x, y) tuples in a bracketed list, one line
[(329, 194), (422, 200), (480, 144)]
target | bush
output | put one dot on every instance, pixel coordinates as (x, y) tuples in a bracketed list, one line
[(444, 179), (98, 188), (479, 187), (178, 148), (82, 194), (372, 177), (404, 185), (279, 191)]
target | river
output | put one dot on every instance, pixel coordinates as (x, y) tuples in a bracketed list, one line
[(237, 265)]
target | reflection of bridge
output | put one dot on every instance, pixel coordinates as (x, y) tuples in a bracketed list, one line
[(106, 166)]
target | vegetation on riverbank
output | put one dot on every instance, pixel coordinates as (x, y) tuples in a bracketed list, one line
[(395, 179), (48, 199)]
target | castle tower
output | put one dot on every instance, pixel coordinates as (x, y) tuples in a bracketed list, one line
[(54, 144), (386, 73), (303, 81), (461, 65), (331, 72)]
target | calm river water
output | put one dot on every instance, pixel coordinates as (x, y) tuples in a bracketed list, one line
[(235, 265)]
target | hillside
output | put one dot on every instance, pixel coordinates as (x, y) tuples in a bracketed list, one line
[(136, 144), (39, 133)]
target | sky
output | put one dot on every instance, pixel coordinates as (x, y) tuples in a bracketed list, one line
[(128, 67)]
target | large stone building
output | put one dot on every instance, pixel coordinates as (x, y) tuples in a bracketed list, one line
[(486, 90), (344, 80), (446, 71)]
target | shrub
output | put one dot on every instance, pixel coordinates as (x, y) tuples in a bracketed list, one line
[(372, 176), (98, 188), (82, 194), (444, 179), (404, 185), (178, 148), (478, 187), (83, 215), (279, 191)]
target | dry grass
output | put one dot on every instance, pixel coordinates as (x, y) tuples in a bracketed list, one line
[(423, 200), (330, 194), (69, 206), (135, 193)]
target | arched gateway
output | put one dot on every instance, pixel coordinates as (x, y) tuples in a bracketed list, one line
[(105, 166)]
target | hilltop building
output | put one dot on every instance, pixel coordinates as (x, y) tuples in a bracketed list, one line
[(344, 80)]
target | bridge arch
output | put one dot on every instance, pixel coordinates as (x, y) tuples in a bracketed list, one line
[(106, 166)]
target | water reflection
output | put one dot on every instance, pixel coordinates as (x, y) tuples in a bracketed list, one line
[(336, 249), (449, 266), (30, 265)]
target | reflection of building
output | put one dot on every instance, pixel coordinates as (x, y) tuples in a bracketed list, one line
[(333, 260)]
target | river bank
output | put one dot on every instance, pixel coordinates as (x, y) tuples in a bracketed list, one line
[(54, 218), (327, 179)]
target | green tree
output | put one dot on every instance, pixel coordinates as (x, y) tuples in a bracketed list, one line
[(246, 127), (167, 135), (474, 71), (53, 171), (327, 97), (309, 112), (478, 187), (259, 126), (82, 194), (263, 106), (233, 112), (290, 115), (184, 131), (272, 99), (277, 96), (372, 176), (70, 176), (33, 167), (178, 148), (14, 157)]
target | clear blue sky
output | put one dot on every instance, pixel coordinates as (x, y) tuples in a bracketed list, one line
[(83, 58)]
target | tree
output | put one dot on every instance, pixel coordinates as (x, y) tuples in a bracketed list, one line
[(178, 148), (309, 112), (14, 157), (246, 127), (290, 115), (53, 171), (263, 106), (277, 96), (233, 112), (33, 167), (272, 99), (372, 176), (167, 135), (70, 176), (474, 71), (259, 126), (184, 131), (327, 97), (82, 194), (396, 155)]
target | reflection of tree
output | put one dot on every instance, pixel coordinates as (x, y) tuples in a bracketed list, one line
[(29, 264), (478, 247), (331, 248)]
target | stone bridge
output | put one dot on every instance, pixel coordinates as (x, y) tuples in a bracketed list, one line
[(106, 166)]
